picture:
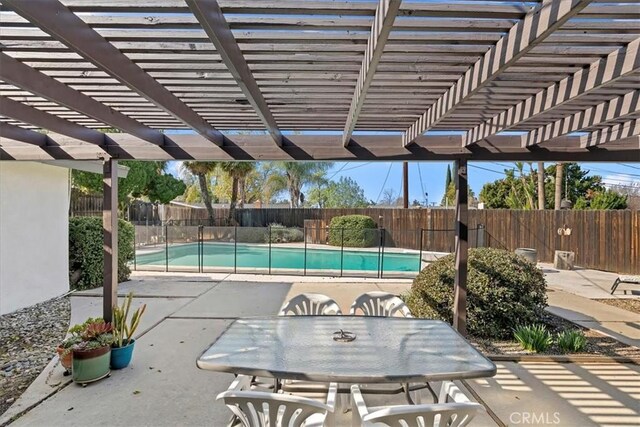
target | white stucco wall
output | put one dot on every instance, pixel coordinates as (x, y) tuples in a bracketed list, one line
[(34, 242)]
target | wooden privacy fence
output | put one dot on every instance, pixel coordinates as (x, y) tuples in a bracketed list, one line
[(603, 240)]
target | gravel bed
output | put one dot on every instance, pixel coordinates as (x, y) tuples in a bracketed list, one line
[(597, 343), (629, 304), (28, 341)]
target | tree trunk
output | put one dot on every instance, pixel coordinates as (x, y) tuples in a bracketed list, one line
[(558, 194), (206, 197), (541, 185), (241, 192), (231, 220)]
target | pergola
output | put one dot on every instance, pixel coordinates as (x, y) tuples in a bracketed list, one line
[(550, 80)]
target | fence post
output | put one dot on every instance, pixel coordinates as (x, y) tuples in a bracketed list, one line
[(342, 252), (379, 246), (235, 249), (166, 248), (201, 241), (382, 239), (269, 227), (304, 272), (135, 261), (420, 258)]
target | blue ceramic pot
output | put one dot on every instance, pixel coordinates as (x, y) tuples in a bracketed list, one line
[(121, 356)]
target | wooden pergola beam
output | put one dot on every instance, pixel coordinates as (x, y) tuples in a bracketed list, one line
[(601, 73), (536, 26), (110, 233), (24, 113), (382, 23), (330, 148), (213, 22), (58, 21), (28, 136), (612, 133), (25, 77), (461, 247), (616, 108)]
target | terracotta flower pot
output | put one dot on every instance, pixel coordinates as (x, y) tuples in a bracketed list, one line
[(66, 359)]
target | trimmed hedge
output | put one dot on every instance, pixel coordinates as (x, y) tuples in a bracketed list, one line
[(86, 260), (503, 291), (357, 231)]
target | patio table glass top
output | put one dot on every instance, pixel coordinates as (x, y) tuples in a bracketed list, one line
[(386, 349)]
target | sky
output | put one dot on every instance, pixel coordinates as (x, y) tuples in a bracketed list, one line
[(372, 176)]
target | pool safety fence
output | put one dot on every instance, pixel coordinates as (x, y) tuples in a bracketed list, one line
[(305, 251)]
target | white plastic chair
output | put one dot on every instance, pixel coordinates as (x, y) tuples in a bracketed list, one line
[(263, 409), (310, 305), (456, 414), (380, 304)]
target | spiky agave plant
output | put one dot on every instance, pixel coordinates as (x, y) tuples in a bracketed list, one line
[(124, 332), (533, 337)]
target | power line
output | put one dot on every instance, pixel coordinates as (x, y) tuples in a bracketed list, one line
[(338, 171), (616, 172), (629, 166), (487, 169), (421, 184), (358, 166), (384, 183)]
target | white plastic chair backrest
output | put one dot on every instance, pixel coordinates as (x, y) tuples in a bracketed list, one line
[(264, 409), (433, 415), (310, 305), (459, 413), (380, 304)]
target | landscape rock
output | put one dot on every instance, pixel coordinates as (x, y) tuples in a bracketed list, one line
[(28, 341)]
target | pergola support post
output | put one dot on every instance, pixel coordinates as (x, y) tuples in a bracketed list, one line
[(461, 248), (110, 230)]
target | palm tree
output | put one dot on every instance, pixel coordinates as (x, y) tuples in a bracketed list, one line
[(558, 186), (541, 185), (293, 176), (201, 170), (238, 172)]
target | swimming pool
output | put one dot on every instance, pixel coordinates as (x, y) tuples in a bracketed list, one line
[(258, 256)]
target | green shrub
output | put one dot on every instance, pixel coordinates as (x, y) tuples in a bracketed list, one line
[(571, 341), (359, 231), (252, 235), (282, 234), (533, 337), (86, 260), (503, 291)]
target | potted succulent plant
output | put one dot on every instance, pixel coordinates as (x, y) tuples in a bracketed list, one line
[(65, 349), (92, 353), (123, 343)]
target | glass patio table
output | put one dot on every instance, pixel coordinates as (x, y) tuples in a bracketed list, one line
[(385, 350)]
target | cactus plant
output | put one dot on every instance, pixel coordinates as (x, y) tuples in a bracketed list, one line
[(122, 331)]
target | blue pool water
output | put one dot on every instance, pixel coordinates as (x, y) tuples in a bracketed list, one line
[(257, 256)]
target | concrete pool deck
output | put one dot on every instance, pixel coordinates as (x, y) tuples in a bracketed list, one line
[(186, 312)]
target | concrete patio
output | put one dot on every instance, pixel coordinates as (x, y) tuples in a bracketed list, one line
[(187, 312)]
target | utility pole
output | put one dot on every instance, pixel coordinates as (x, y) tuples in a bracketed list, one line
[(405, 185)]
